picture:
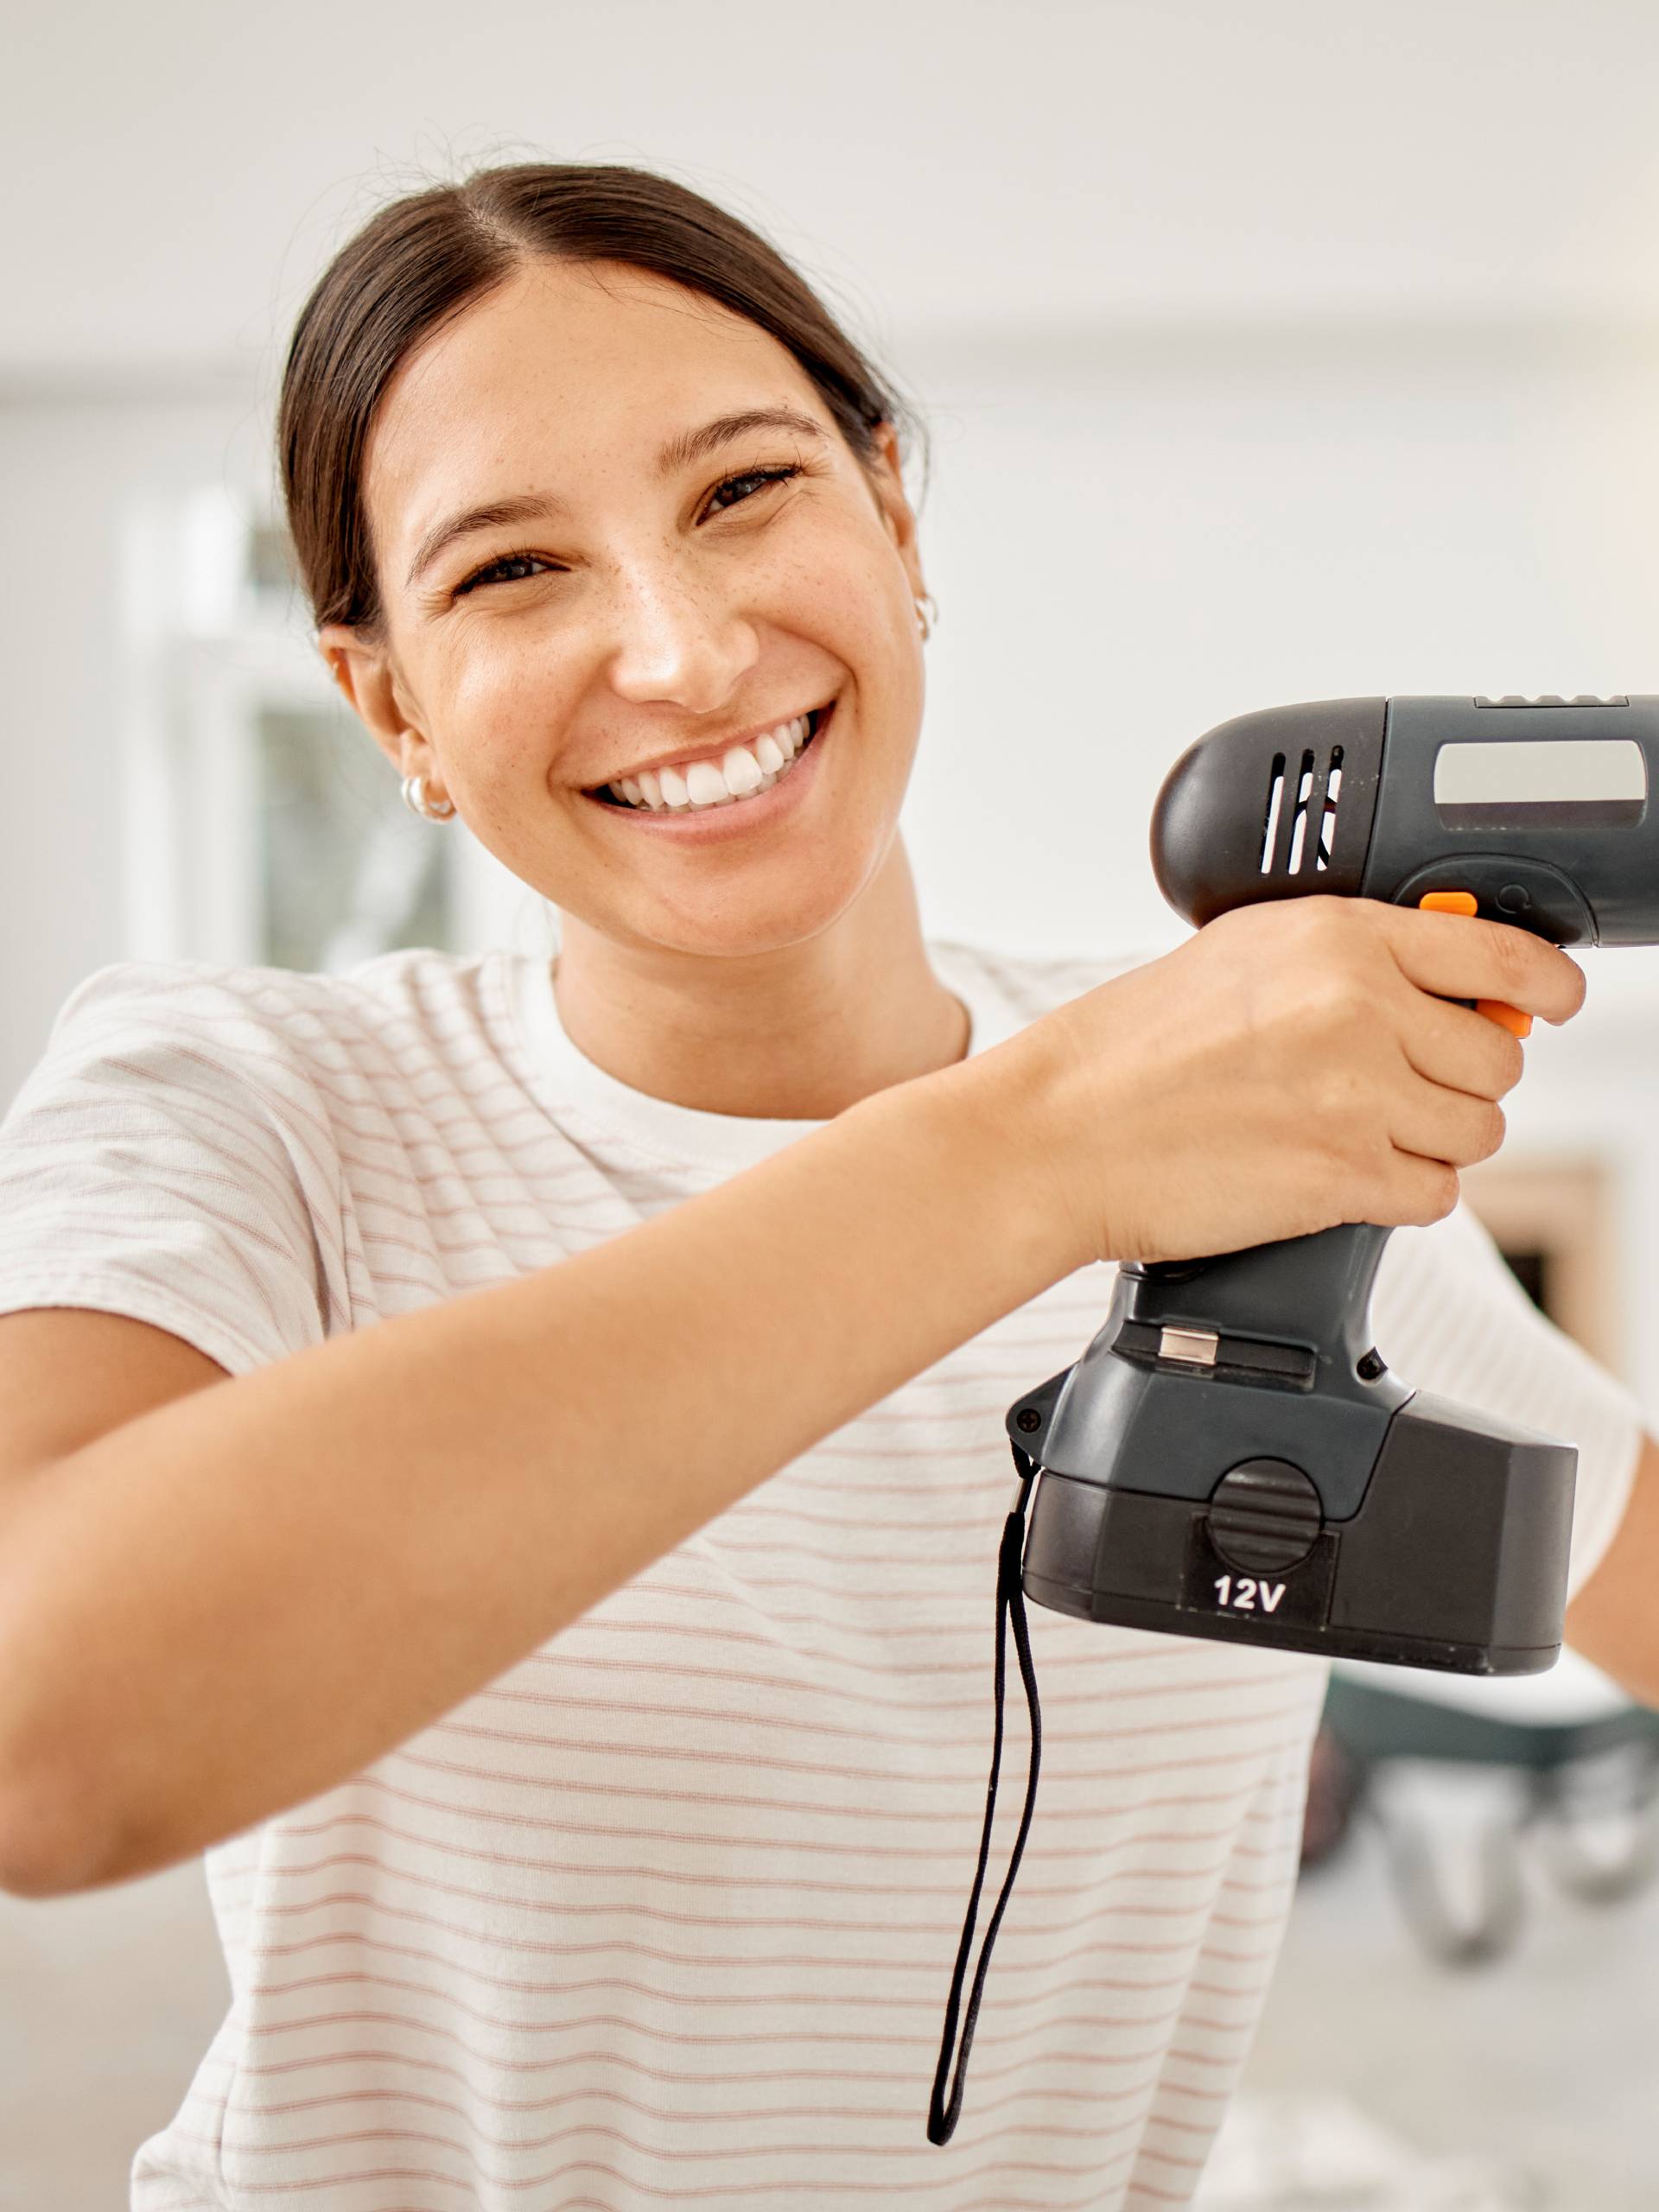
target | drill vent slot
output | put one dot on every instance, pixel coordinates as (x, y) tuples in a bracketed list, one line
[(1270, 819), (1287, 847)]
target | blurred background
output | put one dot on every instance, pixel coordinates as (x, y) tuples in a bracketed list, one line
[(1269, 352)]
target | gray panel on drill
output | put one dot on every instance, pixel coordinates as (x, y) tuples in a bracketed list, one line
[(1580, 879)]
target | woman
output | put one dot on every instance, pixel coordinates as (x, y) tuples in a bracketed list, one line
[(580, 1686)]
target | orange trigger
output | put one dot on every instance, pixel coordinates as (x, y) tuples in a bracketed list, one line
[(1465, 902)]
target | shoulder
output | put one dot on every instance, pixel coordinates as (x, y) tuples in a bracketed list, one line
[(200, 1008), (290, 1049)]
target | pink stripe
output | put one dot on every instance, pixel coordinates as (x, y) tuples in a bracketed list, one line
[(739, 1679), (636, 1908), (1254, 1816), (349, 1816), (1046, 2059), (924, 2041), (518, 2027), (724, 1756), (729, 1753), (892, 2000), (815, 2151), (680, 2192), (1094, 2132), (478, 1815)]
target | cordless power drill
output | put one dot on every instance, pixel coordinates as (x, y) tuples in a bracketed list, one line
[(1232, 1457)]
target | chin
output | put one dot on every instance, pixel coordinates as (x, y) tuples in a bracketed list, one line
[(748, 922)]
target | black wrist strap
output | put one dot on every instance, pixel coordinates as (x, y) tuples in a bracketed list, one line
[(1010, 1605)]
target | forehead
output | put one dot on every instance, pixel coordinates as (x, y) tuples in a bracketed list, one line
[(549, 381)]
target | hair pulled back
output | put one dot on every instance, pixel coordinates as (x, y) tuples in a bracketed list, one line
[(424, 257)]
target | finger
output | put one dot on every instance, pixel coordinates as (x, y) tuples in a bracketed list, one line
[(1457, 1047), (1416, 1192), (1445, 1125), (1459, 957)]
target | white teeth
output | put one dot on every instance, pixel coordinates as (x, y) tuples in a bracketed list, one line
[(740, 773), (704, 785)]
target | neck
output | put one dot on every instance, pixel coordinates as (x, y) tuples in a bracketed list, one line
[(798, 1035)]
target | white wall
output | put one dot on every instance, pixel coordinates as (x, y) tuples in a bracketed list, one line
[(69, 466), (180, 167)]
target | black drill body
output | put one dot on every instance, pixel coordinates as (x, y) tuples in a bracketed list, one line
[(1231, 1457)]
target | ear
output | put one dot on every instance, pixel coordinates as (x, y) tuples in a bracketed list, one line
[(888, 482), (362, 668)]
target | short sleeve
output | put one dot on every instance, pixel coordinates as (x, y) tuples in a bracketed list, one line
[(1452, 1318), (167, 1158)]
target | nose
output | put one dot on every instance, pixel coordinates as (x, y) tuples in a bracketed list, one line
[(678, 641)]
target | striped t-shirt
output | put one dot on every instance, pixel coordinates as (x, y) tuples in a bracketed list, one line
[(666, 1914)]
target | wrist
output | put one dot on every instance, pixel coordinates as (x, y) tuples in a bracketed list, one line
[(1006, 1106)]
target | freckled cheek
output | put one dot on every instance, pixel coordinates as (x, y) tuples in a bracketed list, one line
[(845, 602), (501, 716), (832, 576)]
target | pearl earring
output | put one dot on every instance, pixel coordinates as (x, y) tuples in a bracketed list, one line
[(414, 789)]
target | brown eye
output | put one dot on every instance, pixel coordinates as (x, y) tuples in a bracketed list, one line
[(761, 476), (511, 568)]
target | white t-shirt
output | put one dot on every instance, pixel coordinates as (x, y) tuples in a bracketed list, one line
[(666, 1914)]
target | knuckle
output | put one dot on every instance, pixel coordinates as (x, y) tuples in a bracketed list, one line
[(1513, 1063), (1336, 1099), (1324, 1001), (1442, 1193), (1319, 927), (1493, 1128)]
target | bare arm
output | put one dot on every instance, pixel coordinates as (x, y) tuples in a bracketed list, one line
[(1613, 1620), (236, 1598), (233, 1602)]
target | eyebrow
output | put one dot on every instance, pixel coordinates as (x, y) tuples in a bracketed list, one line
[(679, 452)]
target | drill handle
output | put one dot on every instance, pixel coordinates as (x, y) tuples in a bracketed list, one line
[(1309, 1294)]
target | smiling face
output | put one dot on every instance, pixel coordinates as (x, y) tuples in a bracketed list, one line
[(574, 611)]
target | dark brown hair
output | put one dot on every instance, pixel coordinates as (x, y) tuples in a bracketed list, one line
[(424, 257)]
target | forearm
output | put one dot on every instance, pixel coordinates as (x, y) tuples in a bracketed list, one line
[(237, 1600), (1614, 1621)]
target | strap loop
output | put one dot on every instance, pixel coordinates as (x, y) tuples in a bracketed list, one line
[(1010, 1606)]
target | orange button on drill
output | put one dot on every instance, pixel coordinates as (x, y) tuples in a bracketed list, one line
[(1465, 902)]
